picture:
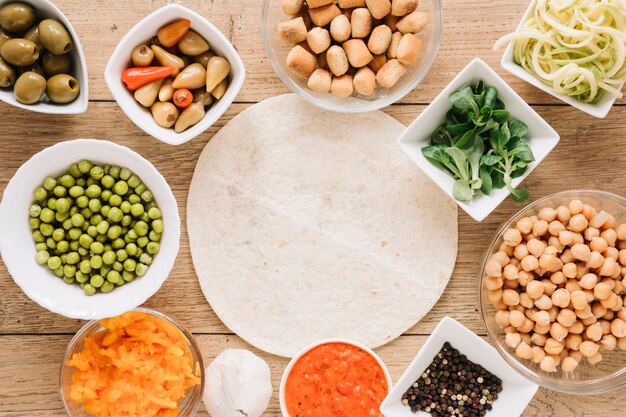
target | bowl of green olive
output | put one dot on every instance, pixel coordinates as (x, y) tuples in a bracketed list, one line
[(90, 229), (42, 65)]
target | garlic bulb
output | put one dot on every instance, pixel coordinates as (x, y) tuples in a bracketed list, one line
[(238, 384)]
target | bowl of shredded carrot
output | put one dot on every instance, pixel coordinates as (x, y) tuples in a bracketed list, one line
[(139, 364)]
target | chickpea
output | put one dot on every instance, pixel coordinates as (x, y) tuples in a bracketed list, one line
[(512, 340), (539, 339), (502, 318), (534, 289), (577, 328), (576, 355), (536, 247), (540, 228), (579, 300), (506, 249), (610, 315), (553, 347), (573, 341), (527, 326), (610, 222), (512, 237), (493, 268), (558, 278), (618, 287), (608, 267), (588, 348), (569, 364), (529, 263), (591, 320), (493, 283), (581, 269), (567, 257), (510, 284), (541, 330), (595, 260), (548, 364), (555, 227), (537, 354), (501, 257), (555, 242), (524, 351), (621, 314), (577, 223), (610, 236), (516, 318), (595, 358), (598, 310), (566, 317), (542, 318), (588, 281), (558, 332), (554, 313), (590, 233), (526, 301), (572, 285), (510, 329), (599, 219), (621, 343), (610, 252), (594, 332), (581, 252), (521, 251), (608, 342), (621, 231), (510, 297), (618, 328), (622, 257), (495, 296), (548, 287), (575, 206), (588, 211), (543, 302), (524, 225), (547, 214), (561, 298), (524, 277), (598, 244), (584, 313), (510, 272), (606, 326), (569, 270), (563, 214)]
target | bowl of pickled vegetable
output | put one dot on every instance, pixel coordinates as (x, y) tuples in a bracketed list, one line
[(87, 219)]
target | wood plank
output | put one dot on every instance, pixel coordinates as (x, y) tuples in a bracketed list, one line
[(470, 30), (31, 389), (594, 141)]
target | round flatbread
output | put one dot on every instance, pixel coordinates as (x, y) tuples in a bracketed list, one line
[(306, 224)]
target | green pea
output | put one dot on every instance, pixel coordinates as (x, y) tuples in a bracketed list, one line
[(96, 219), (117, 266), (120, 282), (59, 272), (41, 246), (63, 246), (61, 217), (109, 258), (140, 189), (105, 269), (54, 262), (141, 270), (67, 181), (125, 207), (136, 210), (102, 227), (121, 255), (120, 187), (82, 201), (78, 220), (154, 236), (74, 171), (143, 241), (131, 249), (105, 210), (74, 233), (89, 289), (85, 267), (106, 195), (81, 182), (128, 239), (80, 277), (107, 287), (51, 243), (42, 257), (128, 276), (115, 172), (126, 220), (102, 239), (145, 218), (46, 215), (82, 251), (115, 200), (115, 214), (46, 229), (68, 280), (67, 224), (85, 241), (107, 181), (157, 226), (59, 191), (74, 246), (96, 262), (72, 258), (154, 213), (118, 243), (146, 196), (38, 236), (62, 205), (133, 181), (52, 203), (141, 228), (34, 223), (134, 199), (93, 191), (40, 194), (97, 281), (113, 277), (49, 183), (35, 210), (85, 166), (69, 270), (74, 210), (58, 234), (97, 172), (76, 191), (96, 248), (130, 265), (146, 259), (92, 232)]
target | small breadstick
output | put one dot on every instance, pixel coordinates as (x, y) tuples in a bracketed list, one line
[(342, 86), (346, 4), (361, 23), (318, 3), (403, 7), (320, 81), (364, 81), (292, 31), (379, 8), (379, 40), (357, 53), (390, 73), (291, 7), (412, 23), (377, 63), (301, 61), (391, 21), (392, 52), (318, 39), (322, 16), (340, 28), (409, 49), (337, 60)]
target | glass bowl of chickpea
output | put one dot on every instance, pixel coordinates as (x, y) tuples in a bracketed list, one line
[(311, 38), (552, 291)]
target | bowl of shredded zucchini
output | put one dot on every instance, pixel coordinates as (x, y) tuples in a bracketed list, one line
[(574, 50)]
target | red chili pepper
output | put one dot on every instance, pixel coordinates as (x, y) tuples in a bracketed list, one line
[(182, 98), (170, 35), (137, 77)]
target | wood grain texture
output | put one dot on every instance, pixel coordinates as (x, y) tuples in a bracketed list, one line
[(591, 154)]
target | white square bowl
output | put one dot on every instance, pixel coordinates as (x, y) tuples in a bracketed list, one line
[(141, 33), (46, 10), (599, 109), (516, 390), (541, 137)]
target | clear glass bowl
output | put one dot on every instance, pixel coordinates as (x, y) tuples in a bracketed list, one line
[(587, 379), (277, 52), (187, 407)]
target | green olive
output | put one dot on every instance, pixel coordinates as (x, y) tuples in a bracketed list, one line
[(203, 58), (20, 52), (29, 88), (55, 37), (4, 36), (56, 64), (33, 36), (17, 17), (62, 89), (7, 74), (192, 44)]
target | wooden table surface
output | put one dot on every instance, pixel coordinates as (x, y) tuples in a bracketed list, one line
[(591, 154)]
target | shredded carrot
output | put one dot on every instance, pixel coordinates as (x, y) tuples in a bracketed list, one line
[(138, 367)]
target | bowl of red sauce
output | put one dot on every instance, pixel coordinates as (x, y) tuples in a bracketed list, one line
[(334, 378)]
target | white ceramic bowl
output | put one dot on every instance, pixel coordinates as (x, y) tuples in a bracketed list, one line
[(141, 33), (283, 381), (541, 137), (17, 246), (516, 390), (47, 10), (277, 53), (599, 109)]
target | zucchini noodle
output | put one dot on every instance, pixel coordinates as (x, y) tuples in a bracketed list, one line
[(577, 47)]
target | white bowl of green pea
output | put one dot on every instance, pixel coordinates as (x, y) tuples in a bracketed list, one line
[(90, 229)]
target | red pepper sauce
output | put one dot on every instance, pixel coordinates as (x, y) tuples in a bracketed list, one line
[(335, 380)]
